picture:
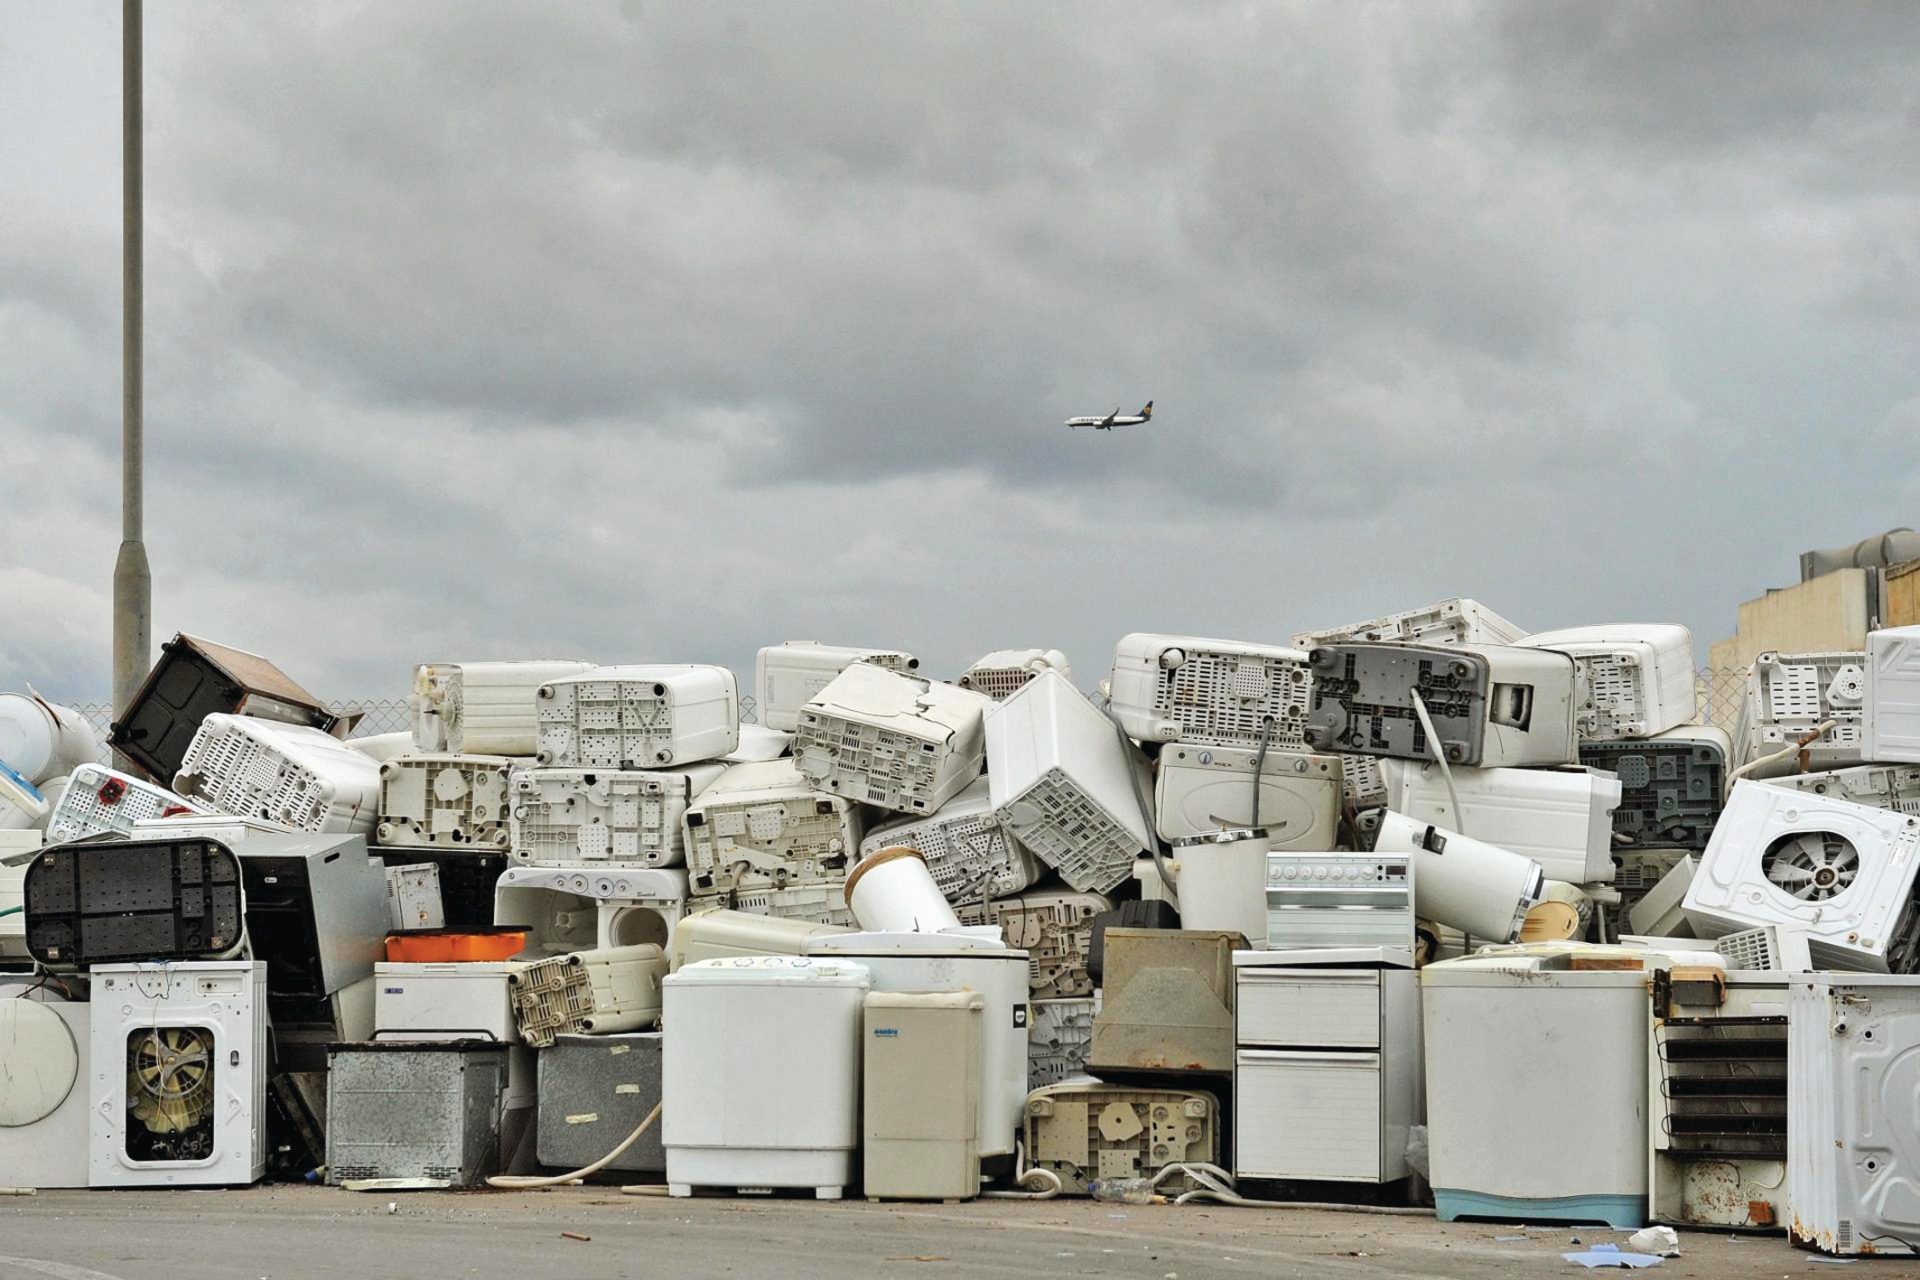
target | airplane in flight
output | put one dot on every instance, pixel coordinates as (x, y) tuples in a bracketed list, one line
[(1115, 419)]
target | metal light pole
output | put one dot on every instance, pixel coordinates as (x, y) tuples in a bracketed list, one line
[(132, 581)]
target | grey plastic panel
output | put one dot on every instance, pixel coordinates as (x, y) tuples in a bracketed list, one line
[(1363, 703), (1670, 790)]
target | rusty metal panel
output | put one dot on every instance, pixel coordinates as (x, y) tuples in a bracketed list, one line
[(1903, 595), (1166, 1001)]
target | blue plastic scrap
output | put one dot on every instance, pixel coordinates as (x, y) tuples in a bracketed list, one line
[(1611, 1255)]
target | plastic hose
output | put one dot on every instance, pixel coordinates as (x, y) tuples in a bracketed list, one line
[(1797, 745), (1259, 762), (1146, 811), (1446, 770), (1217, 1184), (514, 1182), (1045, 1183)]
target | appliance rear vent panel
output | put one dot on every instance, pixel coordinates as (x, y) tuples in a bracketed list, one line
[(1670, 789), (1054, 929)]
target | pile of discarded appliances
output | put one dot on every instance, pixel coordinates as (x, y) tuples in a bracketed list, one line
[(1426, 909)]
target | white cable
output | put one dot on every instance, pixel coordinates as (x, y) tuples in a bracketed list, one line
[(515, 1182), (1440, 754), (1217, 1184), (1792, 748)]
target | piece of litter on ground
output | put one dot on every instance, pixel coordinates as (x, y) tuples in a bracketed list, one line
[(1506, 1239), (1833, 1262), (574, 1235), (1662, 1242), (1610, 1255)]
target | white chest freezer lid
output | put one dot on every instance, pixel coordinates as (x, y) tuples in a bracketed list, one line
[(919, 944), (413, 969), (1552, 964), (762, 970), (1688, 951), (1307, 957)]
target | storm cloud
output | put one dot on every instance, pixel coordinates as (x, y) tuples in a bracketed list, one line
[(666, 331)]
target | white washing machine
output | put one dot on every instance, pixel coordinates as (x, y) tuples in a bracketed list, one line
[(960, 962), (179, 1084), (760, 1073), (1537, 1083), (44, 1048)]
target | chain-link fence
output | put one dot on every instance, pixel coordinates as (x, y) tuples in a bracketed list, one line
[(377, 716), (1721, 691)]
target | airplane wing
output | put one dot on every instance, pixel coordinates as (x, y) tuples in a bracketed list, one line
[(1110, 417)]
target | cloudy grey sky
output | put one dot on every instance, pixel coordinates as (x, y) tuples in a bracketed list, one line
[(662, 331)]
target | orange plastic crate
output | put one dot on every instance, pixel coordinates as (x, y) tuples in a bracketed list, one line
[(442, 946)]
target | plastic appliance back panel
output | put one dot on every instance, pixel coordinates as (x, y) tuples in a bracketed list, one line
[(604, 990), (1223, 693), (970, 854), (1054, 928), (1456, 621), (99, 799), (812, 903), (588, 817), (120, 901), (1058, 1039), (1001, 674), (1490, 706), (890, 740), (1062, 781), (638, 717), (765, 826), (1789, 694), (1637, 679), (1671, 785), (576, 909), (285, 773), (444, 801), (1085, 1131)]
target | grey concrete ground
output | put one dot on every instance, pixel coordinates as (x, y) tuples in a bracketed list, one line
[(290, 1233)]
